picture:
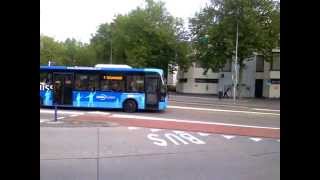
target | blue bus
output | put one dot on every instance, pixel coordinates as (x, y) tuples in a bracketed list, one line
[(103, 86)]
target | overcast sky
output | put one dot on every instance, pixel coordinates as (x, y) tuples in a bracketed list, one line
[(80, 18)]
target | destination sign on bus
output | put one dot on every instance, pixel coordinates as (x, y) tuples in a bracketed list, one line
[(113, 77)]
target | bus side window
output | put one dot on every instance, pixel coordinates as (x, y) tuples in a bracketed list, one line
[(135, 83), (87, 82)]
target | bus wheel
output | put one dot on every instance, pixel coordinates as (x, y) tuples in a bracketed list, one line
[(130, 106)]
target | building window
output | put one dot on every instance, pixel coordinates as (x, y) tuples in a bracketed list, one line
[(183, 80), (87, 82), (259, 64), (201, 80), (135, 83), (275, 65), (112, 83), (275, 81), (227, 67)]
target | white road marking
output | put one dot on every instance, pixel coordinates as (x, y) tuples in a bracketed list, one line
[(203, 134), (228, 137), (60, 117), (177, 132), (225, 105), (99, 112), (200, 98), (256, 139), (74, 115), (259, 109), (54, 122), (155, 130), (44, 120), (187, 121), (133, 128), (222, 110), (60, 112), (207, 104)]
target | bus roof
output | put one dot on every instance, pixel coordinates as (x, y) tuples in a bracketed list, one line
[(160, 71)]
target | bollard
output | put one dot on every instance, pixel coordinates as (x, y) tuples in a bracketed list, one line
[(55, 113)]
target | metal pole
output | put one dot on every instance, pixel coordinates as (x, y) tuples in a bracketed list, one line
[(55, 113), (236, 69), (111, 44), (111, 51)]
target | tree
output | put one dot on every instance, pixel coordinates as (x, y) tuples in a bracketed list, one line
[(258, 22), (145, 37), (50, 50)]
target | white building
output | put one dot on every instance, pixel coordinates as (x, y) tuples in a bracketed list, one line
[(259, 79)]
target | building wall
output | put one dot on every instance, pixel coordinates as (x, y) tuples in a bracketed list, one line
[(172, 77), (193, 87), (225, 80)]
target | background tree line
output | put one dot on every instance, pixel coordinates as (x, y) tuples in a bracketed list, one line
[(150, 37)]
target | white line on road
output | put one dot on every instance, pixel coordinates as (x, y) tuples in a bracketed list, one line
[(203, 134), (60, 112), (223, 105), (228, 137), (155, 130), (201, 98), (99, 112), (44, 120), (60, 117), (187, 121), (259, 109), (256, 139), (74, 115), (133, 128), (222, 110)]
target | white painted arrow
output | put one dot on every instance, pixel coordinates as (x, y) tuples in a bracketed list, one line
[(228, 137), (256, 139), (203, 134)]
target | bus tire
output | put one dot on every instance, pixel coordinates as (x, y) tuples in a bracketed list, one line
[(130, 106)]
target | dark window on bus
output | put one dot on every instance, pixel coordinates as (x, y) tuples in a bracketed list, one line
[(112, 83), (183, 80), (135, 83), (45, 77), (86, 82), (200, 80)]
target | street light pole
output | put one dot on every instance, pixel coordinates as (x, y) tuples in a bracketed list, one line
[(111, 43), (236, 69)]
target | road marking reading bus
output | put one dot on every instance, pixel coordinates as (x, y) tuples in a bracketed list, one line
[(176, 138)]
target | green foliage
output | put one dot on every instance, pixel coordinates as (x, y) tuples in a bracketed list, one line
[(145, 37), (259, 31), (70, 52)]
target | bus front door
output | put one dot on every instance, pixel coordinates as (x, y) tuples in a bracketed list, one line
[(152, 91), (63, 88)]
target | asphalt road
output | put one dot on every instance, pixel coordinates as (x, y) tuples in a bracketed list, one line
[(118, 152), (142, 153), (212, 110)]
